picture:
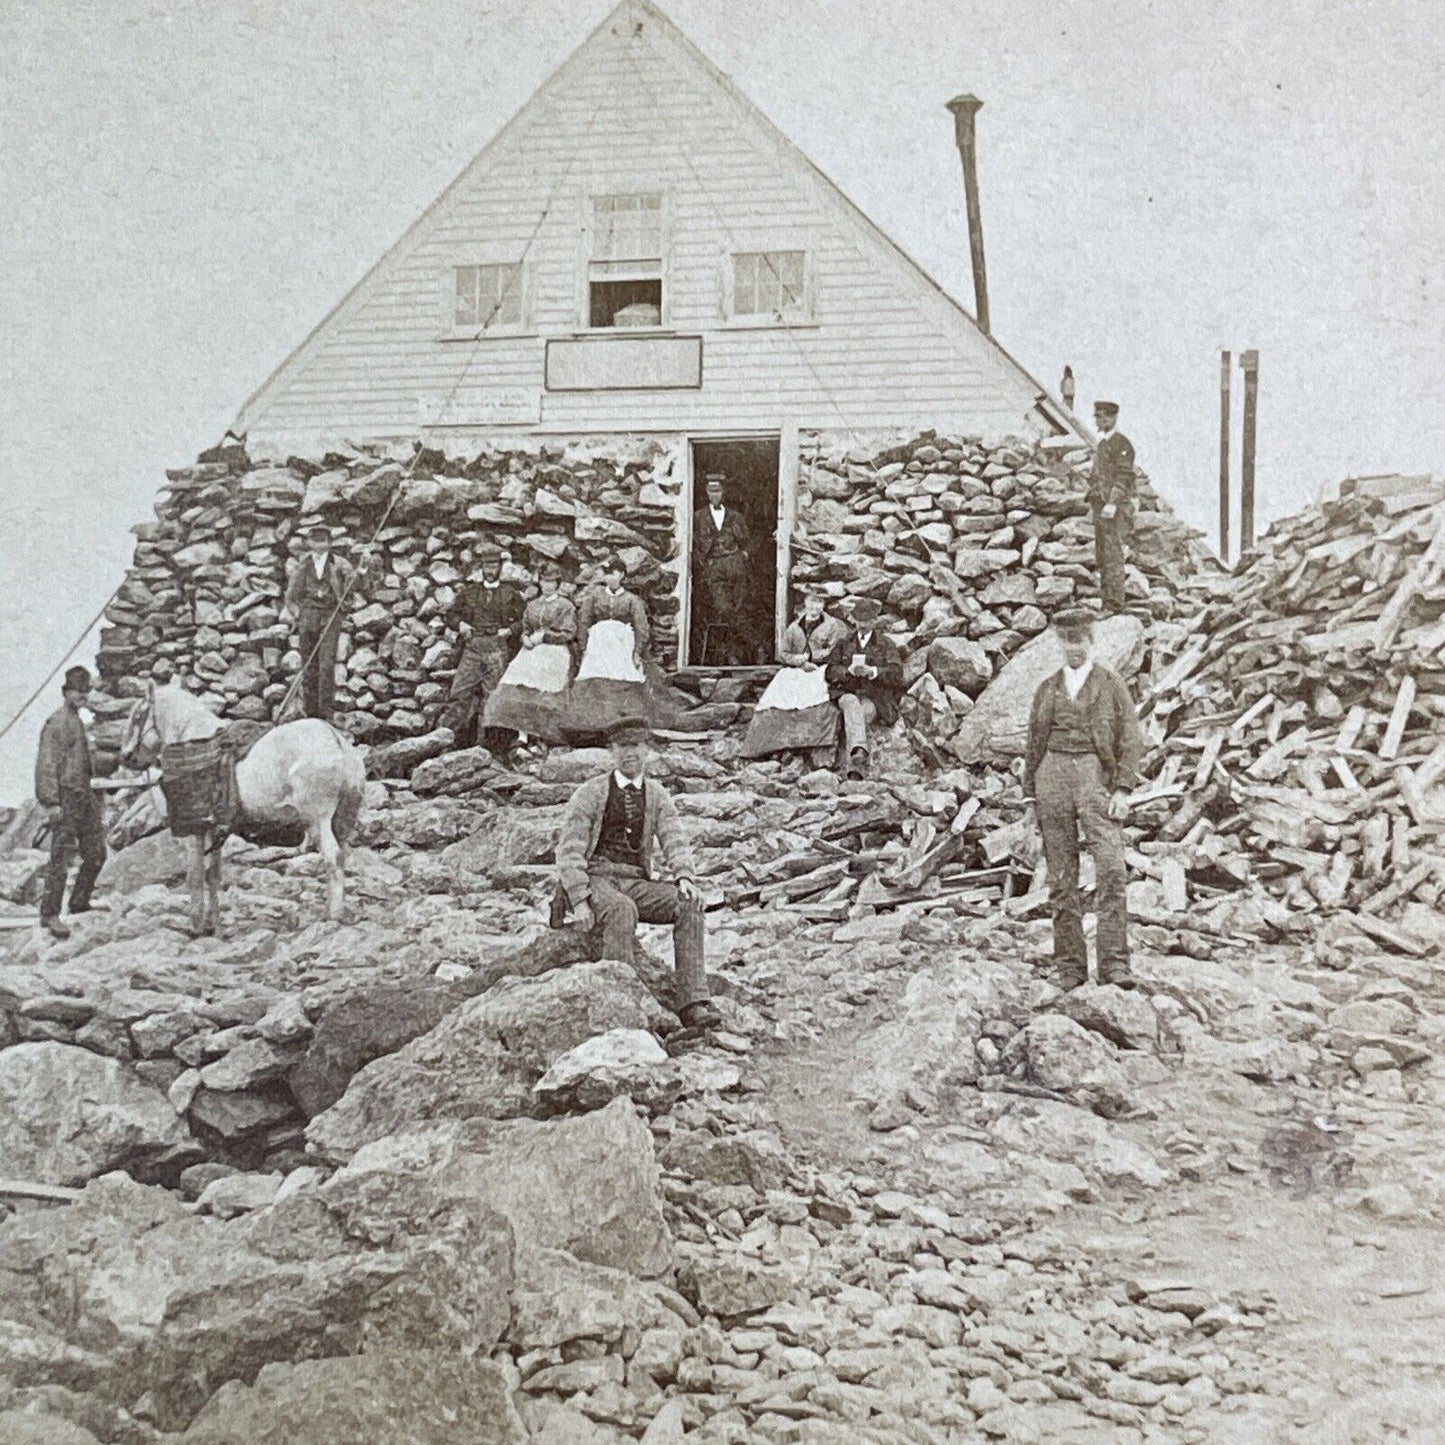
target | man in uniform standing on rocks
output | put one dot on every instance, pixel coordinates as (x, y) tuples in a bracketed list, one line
[(316, 598), (62, 788), (720, 549), (1084, 750), (1111, 495), (491, 611), (604, 868)]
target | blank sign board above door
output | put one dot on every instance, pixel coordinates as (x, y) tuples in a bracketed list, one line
[(625, 363)]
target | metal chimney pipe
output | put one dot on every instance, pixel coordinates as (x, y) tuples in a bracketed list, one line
[(965, 108)]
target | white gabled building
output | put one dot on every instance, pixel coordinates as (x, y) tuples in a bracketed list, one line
[(640, 252)]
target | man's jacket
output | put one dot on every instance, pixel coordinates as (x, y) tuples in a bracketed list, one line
[(1112, 476), (582, 826), (711, 542), (308, 592), (1113, 724), (488, 611), (883, 690), (63, 762)]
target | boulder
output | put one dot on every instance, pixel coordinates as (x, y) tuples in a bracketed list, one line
[(455, 774), (68, 1115), (961, 663), (1058, 1054), (159, 858), (515, 837), (21, 1427), (362, 1026), (753, 1158), (484, 1058), (588, 1185), (1120, 1015), (397, 760), (621, 1061), (378, 1398), (998, 725), (174, 1304), (559, 1299)]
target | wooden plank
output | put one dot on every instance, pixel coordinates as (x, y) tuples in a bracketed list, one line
[(1210, 756), (1382, 932), (1345, 775), (1432, 769), (1176, 886), (1350, 730), (1249, 715), (1404, 701), (30, 1189)]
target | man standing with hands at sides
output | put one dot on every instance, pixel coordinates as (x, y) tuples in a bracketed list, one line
[(62, 788), (1084, 750), (1111, 495), (491, 612), (604, 868), (316, 599), (866, 673)]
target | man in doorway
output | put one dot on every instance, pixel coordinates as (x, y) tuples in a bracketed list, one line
[(865, 673), (316, 599), (1111, 495), (720, 557), (489, 613), (1084, 750), (62, 788), (604, 868)]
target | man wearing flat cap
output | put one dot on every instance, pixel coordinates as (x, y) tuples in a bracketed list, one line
[(62, 788), (1084, 750), (317, 597), (489, 613), (865, 674), (1111, 495), (605, 868)]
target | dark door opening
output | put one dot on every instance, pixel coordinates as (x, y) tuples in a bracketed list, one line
[(735, 568)]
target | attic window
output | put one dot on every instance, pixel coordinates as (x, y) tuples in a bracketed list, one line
[(487, 297), (624, 275), (770, 284)]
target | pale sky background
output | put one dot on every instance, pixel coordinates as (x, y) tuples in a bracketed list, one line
[(189, 185)]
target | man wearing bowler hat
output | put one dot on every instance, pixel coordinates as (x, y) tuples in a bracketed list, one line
[(720, 561), (62, 788), (1084, 749), (1111, 495), (865, 675), (316, 598), (604, 868)]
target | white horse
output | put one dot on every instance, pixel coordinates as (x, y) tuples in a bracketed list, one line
[(301, 775)]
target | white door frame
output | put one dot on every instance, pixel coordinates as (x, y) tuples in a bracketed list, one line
[(786, 435)]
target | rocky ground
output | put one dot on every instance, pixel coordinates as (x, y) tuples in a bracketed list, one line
[(431, 1175)]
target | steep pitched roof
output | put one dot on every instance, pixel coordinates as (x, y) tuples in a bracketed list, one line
[(1057, 413)]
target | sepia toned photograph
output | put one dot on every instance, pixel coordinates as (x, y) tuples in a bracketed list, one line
[(723, 724)]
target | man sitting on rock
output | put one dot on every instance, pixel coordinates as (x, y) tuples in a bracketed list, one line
[(604, 867), (1083, 757), (865, 673)]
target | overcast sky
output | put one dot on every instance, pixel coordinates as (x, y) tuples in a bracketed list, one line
[(189, 185)]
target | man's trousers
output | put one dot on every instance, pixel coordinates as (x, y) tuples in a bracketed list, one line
[(320, 632), (622, 898), (857, 712), (81, 824), (1111, 536), (479, 670), (1071, 798)]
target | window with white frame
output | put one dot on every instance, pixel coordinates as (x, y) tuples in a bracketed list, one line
[(624, 275), (769, 285), (487, 296)]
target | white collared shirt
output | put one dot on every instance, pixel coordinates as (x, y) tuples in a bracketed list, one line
[(623, 781), (319, 563), (864, 638), (718, 513), (1075, 678)]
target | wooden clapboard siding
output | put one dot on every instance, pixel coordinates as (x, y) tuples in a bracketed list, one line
[(632, 112)]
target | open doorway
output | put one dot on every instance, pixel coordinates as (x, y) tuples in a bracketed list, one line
[(735, 564)]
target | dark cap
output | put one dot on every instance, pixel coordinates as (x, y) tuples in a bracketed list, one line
[(1110, 407), (549, 568), (486, 552), (865, 610), (1074, 621), (317, 532), (77, 679), (628, 729)]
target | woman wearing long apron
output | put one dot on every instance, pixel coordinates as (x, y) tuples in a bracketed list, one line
[(795, 713), (611, 683), (531, 698)]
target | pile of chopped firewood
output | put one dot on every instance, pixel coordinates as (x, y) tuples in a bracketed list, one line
[(1297, 718)]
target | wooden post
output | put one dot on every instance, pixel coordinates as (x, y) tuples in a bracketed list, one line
[(1249, 364), (1224, 456)]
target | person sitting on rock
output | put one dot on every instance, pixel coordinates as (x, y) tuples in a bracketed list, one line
[(489, 611), (795, 713), (604, 868), (1084, 749), (865, 672)]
